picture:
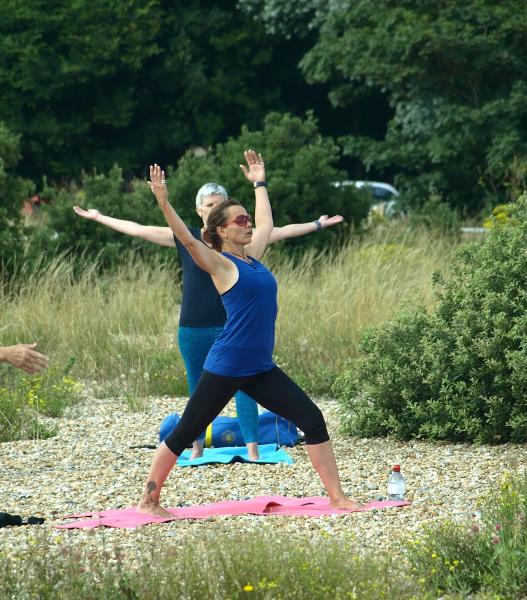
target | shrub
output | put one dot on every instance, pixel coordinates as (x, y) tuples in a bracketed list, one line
[(301, 167), (457, 373), (66, 233)]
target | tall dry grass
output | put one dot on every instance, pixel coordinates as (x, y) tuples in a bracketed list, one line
[(106, 323), (126, 322), (328, 299)]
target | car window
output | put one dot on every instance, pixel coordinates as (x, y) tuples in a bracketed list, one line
[(380, 193)]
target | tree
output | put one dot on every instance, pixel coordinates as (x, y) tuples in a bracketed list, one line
[(12, 190), (89, 84), (454, 74), (301, 166)]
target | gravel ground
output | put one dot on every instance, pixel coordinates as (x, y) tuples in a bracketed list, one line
[(90, 466)]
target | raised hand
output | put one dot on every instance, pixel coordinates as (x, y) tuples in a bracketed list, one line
[(158, 184), (255, 169), (92, 214), (326, 221)]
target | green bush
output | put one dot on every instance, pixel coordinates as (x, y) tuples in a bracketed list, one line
[(436, 215), (459, 372), (300, 166)]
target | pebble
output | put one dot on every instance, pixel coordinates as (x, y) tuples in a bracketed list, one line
[(96, 462)]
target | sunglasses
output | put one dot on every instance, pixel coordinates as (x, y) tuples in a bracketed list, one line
[(242, 220)]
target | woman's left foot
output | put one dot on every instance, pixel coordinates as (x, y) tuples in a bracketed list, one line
[(344, 504)]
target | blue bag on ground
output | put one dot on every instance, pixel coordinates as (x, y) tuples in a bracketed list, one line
[(225, 431)]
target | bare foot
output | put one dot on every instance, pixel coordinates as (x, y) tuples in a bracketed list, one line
[(151, 508), (197, 450), (344, 504), (252, 451)]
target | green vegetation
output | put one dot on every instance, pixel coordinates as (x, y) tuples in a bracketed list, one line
[(431, 96), (483, 559), (120, 328), (488, 555), (446, 81), (89, 84), (267, 568), (25, 399), (456, 372)]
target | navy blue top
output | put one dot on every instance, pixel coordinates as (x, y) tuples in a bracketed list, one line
[(245, 346), (201, 304)]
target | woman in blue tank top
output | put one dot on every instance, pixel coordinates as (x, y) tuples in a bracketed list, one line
[(202, 314), (241, 357)]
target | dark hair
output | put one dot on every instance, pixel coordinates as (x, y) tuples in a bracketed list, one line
[(217, 217)]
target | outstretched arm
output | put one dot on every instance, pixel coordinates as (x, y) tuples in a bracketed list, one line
[(299, 229), (157, 235), (263, 215)]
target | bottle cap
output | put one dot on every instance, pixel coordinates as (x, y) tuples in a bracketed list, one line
[(396, 468)]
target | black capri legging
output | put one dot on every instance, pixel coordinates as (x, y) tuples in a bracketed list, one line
[(273, 389)]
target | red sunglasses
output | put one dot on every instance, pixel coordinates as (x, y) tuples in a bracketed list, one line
[(241, 220)]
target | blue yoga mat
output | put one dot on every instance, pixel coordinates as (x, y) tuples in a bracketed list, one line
[(269, 454)]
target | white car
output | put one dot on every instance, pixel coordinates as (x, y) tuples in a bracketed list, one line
[(384, 195)]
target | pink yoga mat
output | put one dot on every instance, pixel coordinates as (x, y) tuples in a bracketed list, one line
[(262, 505)]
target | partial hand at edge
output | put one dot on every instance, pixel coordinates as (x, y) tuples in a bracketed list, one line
[(25, 357), (91, 214), (326, 221)]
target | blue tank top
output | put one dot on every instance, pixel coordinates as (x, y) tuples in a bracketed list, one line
[(201, 304), (245, 346)]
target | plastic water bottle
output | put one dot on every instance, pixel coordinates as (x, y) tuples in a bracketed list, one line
[(396, 484)]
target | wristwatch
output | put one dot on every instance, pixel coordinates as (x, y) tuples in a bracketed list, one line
[(257, 184)]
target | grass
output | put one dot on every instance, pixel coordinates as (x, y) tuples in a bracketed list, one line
[(488, 556), (25, 399), (118, 330), (482, 561), (225, 568)]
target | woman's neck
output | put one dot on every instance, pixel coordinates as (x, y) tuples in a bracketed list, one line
[(234, 249)]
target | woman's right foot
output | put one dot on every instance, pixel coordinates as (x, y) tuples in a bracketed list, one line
[(152, 508)]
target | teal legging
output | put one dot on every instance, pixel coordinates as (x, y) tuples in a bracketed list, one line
[(194, 345)]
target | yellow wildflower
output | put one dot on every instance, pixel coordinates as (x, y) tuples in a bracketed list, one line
[(248, 588)]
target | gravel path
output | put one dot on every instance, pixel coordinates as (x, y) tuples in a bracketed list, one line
[(89, 465)]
